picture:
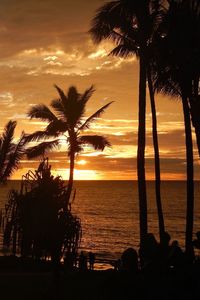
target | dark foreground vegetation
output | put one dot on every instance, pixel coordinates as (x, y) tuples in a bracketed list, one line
[(27, 279)]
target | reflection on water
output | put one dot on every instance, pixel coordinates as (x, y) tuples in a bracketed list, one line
[(109, 213)]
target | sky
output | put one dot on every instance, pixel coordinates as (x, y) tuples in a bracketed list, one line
[(46, 42)]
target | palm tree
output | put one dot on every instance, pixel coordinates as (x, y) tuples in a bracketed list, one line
[(156, 156), (69, 122), (130, 24), (182, 30), (178, 67), (10, 152), (124, 49), (171, 80), (169, 87), (189, 37)]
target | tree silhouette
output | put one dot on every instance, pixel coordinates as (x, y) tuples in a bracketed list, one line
[(177, 74), (124, 49), (36, 222), (69, 122), (10, 152), (182, 35), (131, 25), (171, 80)]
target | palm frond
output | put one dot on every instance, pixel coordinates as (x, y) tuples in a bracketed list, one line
[(80, 106), (59, 108), (56, 127), (101, 25), (14, 158), (41, 112), (126, 33), (124, 50), (87, 95), (62, 95), (97, 114), (166, 85), (96, 141), (70, 105), (42, 148), (73, 95), (75, 148), (6, 142), (39, 135), (111, 15)]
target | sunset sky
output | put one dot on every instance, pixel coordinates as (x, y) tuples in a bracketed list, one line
[(46, 42)]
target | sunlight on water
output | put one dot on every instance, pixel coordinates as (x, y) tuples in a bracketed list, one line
[(109, 213)]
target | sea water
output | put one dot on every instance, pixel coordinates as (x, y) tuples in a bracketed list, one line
[(109, 213)]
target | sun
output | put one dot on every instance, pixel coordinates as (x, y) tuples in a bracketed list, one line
[(78, 174), (82, 162)]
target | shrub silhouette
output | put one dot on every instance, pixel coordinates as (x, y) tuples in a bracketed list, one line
[(36, 224)]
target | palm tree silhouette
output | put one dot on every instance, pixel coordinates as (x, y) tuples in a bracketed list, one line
[(131, 24), (169, 87), (187, 27), (170, 79), (69, 122), (182, 30), (10, 152), (178, 67), (123, 49)]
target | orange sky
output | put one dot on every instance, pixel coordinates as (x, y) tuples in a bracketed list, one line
[(45, 42)]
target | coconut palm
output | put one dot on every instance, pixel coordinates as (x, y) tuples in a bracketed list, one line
[(68, 121), (171, 80), (169, 87), (187, 26), (123, 50), (131, 24), (156, 156), (178, 67), (182, 32), (10, 152)]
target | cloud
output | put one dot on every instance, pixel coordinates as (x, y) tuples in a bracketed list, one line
[(6, 98), (56, 61), (116, 168), (29, 24), (64, 24)]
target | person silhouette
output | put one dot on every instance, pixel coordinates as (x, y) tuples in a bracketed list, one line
[(149, 250), (82, 262), (196, 242), (176, 256), (91, 260), (129, 261)]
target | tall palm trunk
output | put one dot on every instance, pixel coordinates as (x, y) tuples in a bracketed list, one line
[(141, 150), (190, 179), (194, 111), (197, 133), (71, 176), (156, 157)]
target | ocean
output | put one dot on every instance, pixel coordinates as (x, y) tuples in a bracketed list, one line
[(109, 213)]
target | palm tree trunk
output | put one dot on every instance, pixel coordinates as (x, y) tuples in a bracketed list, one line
[(71, 176), (197, 133), (195, 109), (194, 112), (156, 157), (141, 150), (190, 180)]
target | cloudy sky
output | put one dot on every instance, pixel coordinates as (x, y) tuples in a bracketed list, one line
[(46, 42)]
